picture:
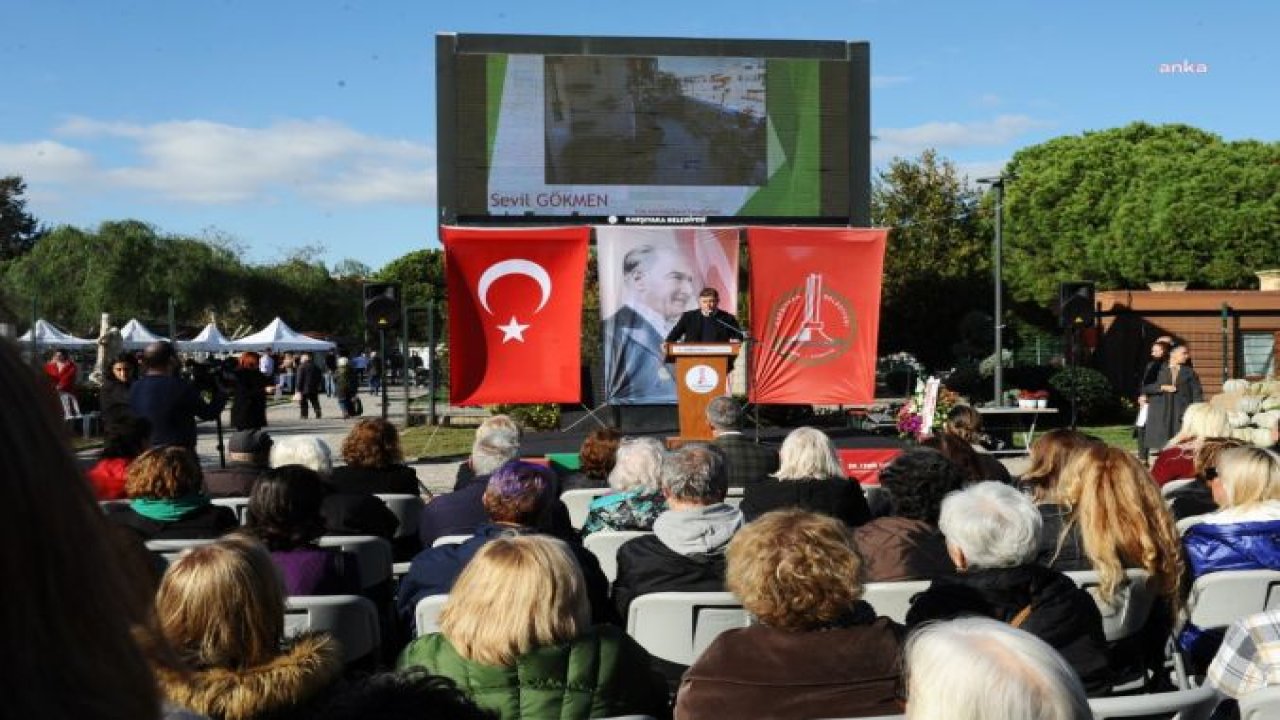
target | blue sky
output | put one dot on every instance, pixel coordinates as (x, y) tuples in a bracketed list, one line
[(289, 123)]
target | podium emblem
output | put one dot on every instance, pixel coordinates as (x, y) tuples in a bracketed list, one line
[(702, 379)]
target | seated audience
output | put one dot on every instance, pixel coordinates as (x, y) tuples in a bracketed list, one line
[(516, 635), (516, 499), (965, 423), (1196, 497), (248, 456), (747, 461), (816, 649), (497, 442), (284, 514), (165, 501), (375, 462), (411, 694), (636, 478), (595, 460), (992, 533), (1176, 460), (907, 544), (69, 601), (345, 513), (1060, 547), (980, 669), (1243, 535), (960, 453), (1249, 658), (127, 438), (810, 478), (1122, 522), (221, 607), (686, 550)]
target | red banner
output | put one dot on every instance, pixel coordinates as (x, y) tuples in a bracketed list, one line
[(865, 464), (815, 314), (515, 313)]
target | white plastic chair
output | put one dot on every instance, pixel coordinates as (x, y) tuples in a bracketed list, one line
[(1219, 599), (604, 545), (406, 508), (678, 626), (171, 549), (1133, 602), (578, 501), (238, 505), (893, 599), (734, 496), (1194, 704), (1262, 704), (351, 619), (427, 614), (372, 553)]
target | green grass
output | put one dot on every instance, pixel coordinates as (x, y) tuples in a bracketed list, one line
[(427, 441), (1120, 436)]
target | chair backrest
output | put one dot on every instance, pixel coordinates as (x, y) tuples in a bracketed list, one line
[(427, 614), (372, 553), (678, 626), (1132, 603), (1219, 599), (351, 619), (1195, 704), (604, 545), (1261, 704), (577, 502), (734, 497), (406, 508), (238, 505), (1168, 488), (108, 505), (451, 540), (893, 599), (171, 549)]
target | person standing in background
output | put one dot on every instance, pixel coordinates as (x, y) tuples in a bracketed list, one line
[(1176, 386), (62, 372), (308, 384), (1158, 358)]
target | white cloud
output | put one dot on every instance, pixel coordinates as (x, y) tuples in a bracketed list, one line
[(981, 169), (44, 161), (206, 162), (906, 142), (879, 82)]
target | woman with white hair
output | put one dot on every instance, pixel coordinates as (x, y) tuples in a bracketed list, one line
[(993, 533), (637, 499), (497, 443), (809, 478), (1177, 460), (345, 513), (981, 669)]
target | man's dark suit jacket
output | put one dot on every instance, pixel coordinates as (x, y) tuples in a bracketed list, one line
[(746, 461), (721, 327)]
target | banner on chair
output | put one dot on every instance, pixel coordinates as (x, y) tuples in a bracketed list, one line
[(649, 276), (815, 314), (515, 314)]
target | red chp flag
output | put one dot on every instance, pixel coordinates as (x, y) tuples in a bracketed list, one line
[(815, 314), (515, 314)]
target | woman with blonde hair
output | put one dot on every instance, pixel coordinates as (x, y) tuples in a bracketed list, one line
[(516, 635), (1060, 545), (221, 607), (1177, 460), (816, 650), (1196, 497), (809, 477), (1244, 534)]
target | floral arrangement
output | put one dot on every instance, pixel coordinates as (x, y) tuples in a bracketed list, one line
[(1033, 394), (911, 421)]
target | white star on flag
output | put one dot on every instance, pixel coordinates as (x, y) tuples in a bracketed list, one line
[(513, 330)]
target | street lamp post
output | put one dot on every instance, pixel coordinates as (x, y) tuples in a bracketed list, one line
[(997, 184)]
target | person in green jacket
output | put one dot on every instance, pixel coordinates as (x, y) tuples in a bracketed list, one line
[(516, 637)]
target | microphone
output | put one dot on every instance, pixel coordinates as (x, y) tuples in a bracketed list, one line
[(741, 332)]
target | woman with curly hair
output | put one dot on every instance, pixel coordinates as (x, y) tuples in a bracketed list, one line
[(816, 650), (166, 501), (375, 462), (1059, 549), (284, 513)]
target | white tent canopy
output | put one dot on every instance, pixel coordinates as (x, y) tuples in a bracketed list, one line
[(136, 336), (50, 336), (279, 336), (210, 339)]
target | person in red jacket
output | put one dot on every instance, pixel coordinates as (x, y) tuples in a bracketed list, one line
[(63, 373)]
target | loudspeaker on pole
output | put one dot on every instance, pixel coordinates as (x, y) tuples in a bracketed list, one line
[(1076, 305), (382, 305)]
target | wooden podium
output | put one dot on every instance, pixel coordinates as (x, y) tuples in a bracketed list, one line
[(702, 373)]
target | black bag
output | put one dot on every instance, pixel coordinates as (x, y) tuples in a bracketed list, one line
[(357, 407)]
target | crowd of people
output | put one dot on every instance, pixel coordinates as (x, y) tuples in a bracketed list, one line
[(534, 628)]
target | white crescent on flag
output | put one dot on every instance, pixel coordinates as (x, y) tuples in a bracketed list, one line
[(515, 266)]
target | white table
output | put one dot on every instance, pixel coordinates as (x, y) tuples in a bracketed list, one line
[(1025, 418)]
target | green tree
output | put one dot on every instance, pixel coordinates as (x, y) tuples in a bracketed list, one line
[(1141, 203), (19, 230), (937, 261)]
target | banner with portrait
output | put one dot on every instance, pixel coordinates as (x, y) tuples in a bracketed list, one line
[(649, 276), (815, 300)]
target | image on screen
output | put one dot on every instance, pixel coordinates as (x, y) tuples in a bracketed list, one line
[(655, 121)]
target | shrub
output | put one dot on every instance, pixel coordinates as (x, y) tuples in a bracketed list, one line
[(1090, 388), (540, 416)]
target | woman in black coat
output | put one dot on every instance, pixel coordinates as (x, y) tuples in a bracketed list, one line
[(249, 394), (1176, 387), (809, 478)]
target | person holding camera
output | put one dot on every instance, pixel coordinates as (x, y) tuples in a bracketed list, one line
[(168, 402)]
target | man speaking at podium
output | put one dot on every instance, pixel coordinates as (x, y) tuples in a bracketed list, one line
[(708, 323)]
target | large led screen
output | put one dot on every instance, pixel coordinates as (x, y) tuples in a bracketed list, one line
[(704, 134)]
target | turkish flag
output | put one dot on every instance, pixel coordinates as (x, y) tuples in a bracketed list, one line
[(515, 313), (815, 313)]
